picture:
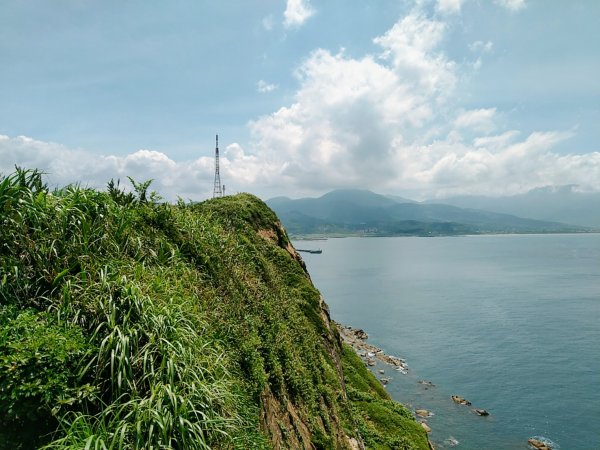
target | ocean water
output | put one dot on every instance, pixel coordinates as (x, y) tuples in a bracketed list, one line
[(509, 322)]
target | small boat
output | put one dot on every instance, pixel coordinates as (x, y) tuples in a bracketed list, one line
[(319, 251)]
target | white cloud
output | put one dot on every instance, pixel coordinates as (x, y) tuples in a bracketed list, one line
[(297, 12), (382, 122), (481, 120), (445, 168), (263, 87), (511, 5), (187, 179), (411, 46), (349, 113), (449, 6), (496, 142)]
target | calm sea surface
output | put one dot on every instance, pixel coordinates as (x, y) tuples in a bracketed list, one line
[(511, 323)]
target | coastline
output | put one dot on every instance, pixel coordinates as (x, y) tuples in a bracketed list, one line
[(368, 353), (356, 338)]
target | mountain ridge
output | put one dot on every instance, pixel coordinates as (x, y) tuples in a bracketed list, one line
[(553, 203), (351, 211)]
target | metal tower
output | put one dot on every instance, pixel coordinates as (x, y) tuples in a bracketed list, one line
[(218, 189)]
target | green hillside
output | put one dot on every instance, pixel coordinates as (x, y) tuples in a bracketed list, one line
[(130, 323)]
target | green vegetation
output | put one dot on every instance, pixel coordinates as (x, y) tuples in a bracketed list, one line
[(129, 323)]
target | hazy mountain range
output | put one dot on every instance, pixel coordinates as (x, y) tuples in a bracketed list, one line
[(351, 211), (557, 204)]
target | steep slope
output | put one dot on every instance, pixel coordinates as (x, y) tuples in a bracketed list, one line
[(128, 323)]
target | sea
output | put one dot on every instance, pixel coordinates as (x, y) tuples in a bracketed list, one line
[(509, 322)]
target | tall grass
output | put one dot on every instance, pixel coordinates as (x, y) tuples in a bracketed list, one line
[(130, 323), (146, 376)]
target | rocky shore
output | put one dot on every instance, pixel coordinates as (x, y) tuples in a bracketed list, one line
[(357, 338)]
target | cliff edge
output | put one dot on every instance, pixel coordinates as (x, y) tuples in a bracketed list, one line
[(130, 323)]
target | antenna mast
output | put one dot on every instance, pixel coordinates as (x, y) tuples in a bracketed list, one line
[(218, 190)]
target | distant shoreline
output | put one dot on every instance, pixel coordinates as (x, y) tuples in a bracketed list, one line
[(321, 237)]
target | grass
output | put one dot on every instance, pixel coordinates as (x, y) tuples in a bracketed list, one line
[(130, 323)]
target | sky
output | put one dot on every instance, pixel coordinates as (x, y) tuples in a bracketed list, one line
[(418, 98)]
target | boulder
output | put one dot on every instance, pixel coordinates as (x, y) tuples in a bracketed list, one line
[(481, 412), (385, 380), (422, 413), (426, 427), (538, 445), (460, 400), (361, 334)]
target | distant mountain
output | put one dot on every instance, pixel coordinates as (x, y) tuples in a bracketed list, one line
[(399, 199), (365, 212), (557, 204)]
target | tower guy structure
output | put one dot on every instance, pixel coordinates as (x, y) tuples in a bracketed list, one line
[(218, 190)]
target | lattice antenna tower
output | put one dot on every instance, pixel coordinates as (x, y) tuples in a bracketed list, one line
[(218, 188)]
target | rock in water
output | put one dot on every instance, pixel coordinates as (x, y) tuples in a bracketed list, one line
[(451, 442), (481, 412), (460, 400), (422, 413), (538, 445), (426, 427)]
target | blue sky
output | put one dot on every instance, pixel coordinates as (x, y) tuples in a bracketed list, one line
[(420, 98)]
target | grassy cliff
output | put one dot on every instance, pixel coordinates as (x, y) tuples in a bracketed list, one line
[(130, 323)]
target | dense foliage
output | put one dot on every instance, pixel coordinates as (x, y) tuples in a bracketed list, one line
[(129, 323)]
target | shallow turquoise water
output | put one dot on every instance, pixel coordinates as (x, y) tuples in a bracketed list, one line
[(511, 322)]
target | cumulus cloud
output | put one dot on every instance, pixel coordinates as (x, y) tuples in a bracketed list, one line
[(511, 5), (263, 87), (297, 12), (389, 122), (411, 46), (350, 113)]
